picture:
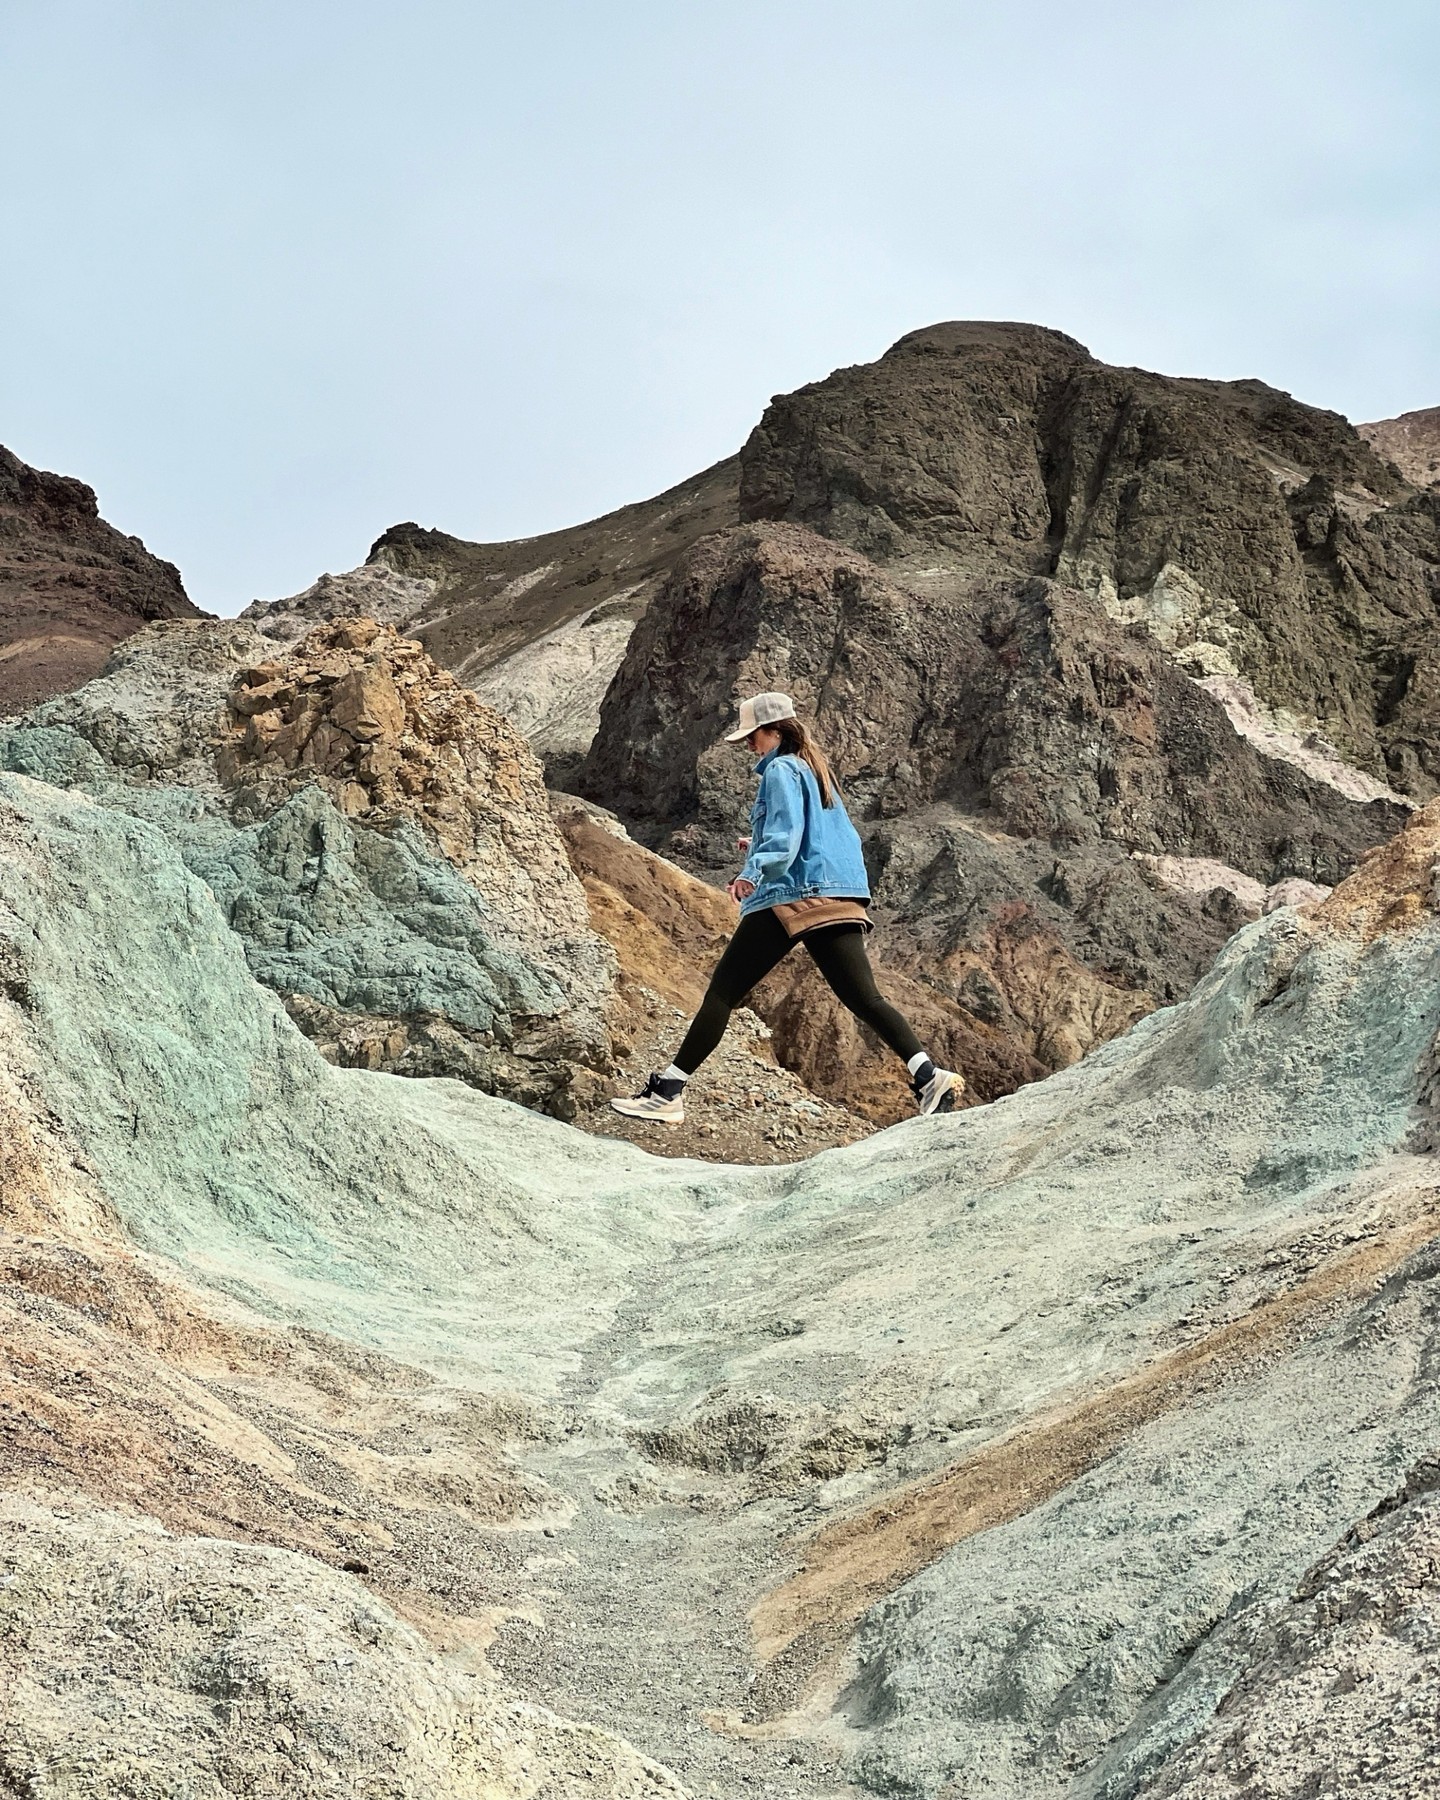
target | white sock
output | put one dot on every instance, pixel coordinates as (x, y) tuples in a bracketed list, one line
[(673, 1074), (918, 1061)]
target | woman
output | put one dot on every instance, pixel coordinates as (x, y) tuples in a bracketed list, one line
[(804, 880)]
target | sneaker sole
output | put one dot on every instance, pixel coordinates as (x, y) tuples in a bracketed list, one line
[(646, 1118)]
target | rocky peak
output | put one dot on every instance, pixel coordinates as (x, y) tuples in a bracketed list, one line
[(1021, 701), (50, 499), (998, 337), (71, 586), (1252, 536)]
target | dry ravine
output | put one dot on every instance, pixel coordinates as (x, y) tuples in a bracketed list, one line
[(376, 1435)]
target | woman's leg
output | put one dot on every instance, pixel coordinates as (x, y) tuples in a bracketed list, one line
[(759, 943), (839, 954)]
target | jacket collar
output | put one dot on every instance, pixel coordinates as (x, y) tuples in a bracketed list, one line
[(766, 760)]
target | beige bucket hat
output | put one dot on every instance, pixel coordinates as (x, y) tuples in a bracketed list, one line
[(764, 709)]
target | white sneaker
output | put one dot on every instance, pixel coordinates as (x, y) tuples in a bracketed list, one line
[(659, 1099), (939, 1093)]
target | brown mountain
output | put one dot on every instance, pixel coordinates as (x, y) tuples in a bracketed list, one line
[(1411, 443), (1020, 590), (1250, 535), (1061, 827), (1256, 539), (71, 586)]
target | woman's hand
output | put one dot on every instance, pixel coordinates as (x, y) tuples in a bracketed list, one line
[(740, 889)]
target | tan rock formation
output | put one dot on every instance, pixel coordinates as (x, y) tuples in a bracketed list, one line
[(365, 714)]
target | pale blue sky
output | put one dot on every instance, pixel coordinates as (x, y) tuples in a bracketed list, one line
[(279, 275)]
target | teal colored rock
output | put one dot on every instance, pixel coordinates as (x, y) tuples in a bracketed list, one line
[(360, 920), (395, 1211)]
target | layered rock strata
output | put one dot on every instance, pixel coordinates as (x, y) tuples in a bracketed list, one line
[(491, 600), (71, 586)]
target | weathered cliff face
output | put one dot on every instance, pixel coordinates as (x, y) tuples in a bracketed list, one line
[(1013, 1453), (71, 586), (1020, 701), (1252, 535), (364, 714), (1009, 752)]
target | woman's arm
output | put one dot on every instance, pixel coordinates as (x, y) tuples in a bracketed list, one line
[(779, 844)]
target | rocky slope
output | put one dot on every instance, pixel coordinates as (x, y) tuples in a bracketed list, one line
[(537, 626), (71, 586), (383, 844), (1080, 638), (1335, 1692), (1006, 1454), (1410, 443)]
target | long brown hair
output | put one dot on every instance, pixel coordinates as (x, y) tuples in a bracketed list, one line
[(795, 740)]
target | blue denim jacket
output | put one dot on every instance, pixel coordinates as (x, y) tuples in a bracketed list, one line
[(799, 847)]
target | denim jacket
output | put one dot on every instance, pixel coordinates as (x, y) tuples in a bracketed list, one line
[(799, 847)]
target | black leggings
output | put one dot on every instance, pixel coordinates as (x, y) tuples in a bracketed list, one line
[(757, 946)]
